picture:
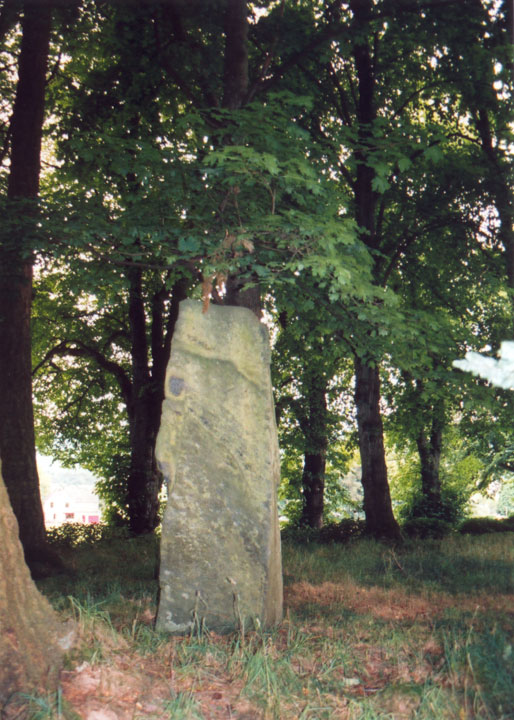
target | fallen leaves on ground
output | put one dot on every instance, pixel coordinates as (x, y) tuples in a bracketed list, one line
[(126, 684), (390, 604)]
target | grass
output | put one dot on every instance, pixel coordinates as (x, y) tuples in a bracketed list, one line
[(370, 632)]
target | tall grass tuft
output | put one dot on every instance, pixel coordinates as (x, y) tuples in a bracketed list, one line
[(183, 707)]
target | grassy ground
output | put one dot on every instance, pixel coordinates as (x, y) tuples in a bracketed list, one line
[(369, 632)]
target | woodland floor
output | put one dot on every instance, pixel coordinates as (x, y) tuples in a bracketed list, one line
[(369, 632)]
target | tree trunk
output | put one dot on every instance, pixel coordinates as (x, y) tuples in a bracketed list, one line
[(380, 521), (502, 191), (31, 639), (144, 409), (17, 444), (429, 449), (235, 73), (313, 483), (235, 89), (145, 479), (237, 294), (314, 428), (142, 493)]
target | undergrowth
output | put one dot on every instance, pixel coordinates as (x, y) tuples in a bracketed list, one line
[(370, 632)]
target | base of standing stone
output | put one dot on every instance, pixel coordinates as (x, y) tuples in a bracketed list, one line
[(217, 447)]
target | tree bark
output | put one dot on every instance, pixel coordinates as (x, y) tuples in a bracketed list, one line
[(145, 406), (145, 479), (31, 638), (235, 75), (429, 449), (241, 296), (380, 521), (313, 483), (235, 89), (17, 443), (314, 429), (502, 190)]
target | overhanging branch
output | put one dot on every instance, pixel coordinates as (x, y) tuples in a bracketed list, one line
[(82, 350)]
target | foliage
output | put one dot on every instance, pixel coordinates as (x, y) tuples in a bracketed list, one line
[(71, 535), (364, 197), (310, 376), (451, 509), (479, 526), (112, 490), (460, 475), (420, 526), (338, 500), (331, 532)]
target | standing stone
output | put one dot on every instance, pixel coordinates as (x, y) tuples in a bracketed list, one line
[(218, 449)]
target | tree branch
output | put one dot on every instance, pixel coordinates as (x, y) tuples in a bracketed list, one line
[(63, 349)]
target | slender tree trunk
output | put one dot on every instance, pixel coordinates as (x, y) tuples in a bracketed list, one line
[(17, 444), (235, 71), (380, 521), (429, 449), (314, 429)]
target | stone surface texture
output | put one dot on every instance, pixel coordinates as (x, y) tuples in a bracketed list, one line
[(218, 449)]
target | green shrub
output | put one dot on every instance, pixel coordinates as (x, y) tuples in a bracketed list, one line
[(71, 535), (332, 532), (450, 509), (427, 527), (480, 526), (112, 489)]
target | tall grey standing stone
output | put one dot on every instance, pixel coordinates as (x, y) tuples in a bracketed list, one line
[(217, 447)]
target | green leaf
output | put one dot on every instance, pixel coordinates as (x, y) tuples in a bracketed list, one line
[(380, 184), (434, 153), (404, 163), (189, 244)]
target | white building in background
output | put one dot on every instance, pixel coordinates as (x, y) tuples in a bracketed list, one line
[(77, 505)]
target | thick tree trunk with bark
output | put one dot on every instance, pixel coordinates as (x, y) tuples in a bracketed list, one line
[(147, 395), (380, 521), (31, 638), (17, 445), (313, 484), (235, 89), (241, 296), (502, 190), (429, 449), (145, 480)]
